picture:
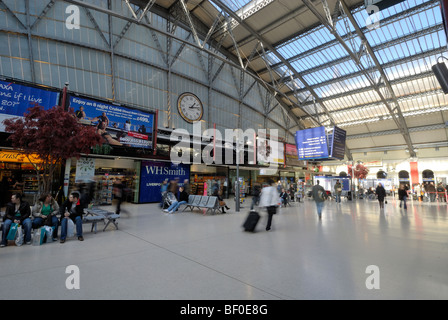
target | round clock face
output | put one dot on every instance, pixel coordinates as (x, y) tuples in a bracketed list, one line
[(190, 107)]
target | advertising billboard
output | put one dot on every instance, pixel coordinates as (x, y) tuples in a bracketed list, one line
[(269, 151), (291, 156), (15, 99), (118, 125)]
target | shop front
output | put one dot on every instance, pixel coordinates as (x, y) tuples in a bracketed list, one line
[(97, 176), (205, 178), (152, 175), (18, 175)]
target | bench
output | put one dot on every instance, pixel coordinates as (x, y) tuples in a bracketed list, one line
[(210, 203), (93, 220), (95, 215)]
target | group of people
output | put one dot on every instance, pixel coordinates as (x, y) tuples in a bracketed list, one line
[(44, 213), (431, 191)]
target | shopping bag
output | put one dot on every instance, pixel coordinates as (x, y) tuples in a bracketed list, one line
[(48, 233), (70, 228), (19, 236), (38, 235), (12, 231)]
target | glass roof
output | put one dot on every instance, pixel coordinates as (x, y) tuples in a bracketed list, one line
[(243, 7), (407, 43)]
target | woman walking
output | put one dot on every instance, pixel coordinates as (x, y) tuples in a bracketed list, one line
[(381, 193)]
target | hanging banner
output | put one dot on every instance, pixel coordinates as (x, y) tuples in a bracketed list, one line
[(85, 170), (291, 156)]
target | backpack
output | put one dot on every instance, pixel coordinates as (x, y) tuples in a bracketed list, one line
[(322, 195)]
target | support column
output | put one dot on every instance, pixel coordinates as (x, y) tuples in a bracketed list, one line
[(414, 172)]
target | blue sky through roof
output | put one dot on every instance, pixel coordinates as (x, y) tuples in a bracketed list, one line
[(235, 5), (322, 61)]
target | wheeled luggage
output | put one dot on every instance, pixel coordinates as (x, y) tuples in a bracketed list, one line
[(251, 221)]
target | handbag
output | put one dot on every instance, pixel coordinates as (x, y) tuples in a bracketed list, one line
[(222, 203)]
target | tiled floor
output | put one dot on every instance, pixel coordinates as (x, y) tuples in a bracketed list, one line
[(191, 256)]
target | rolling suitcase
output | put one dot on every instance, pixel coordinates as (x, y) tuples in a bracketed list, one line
[(251, 221)]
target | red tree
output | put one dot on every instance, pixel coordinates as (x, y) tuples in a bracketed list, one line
[(359, 171), (54, 135)]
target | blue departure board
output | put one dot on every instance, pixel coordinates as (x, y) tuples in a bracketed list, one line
[(312, 143)]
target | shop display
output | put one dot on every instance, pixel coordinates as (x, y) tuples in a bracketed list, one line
[(30, 187)]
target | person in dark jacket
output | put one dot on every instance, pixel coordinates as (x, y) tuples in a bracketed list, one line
[(284, 197), (319, 196), (118, 194), (381, 193), (402, 196), (19, 212), (72, 209), (221, 202), (256, 195)]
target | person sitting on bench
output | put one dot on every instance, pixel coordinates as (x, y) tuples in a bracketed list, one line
[(72, 209), (221, 202), (183, 198), (284, 197)]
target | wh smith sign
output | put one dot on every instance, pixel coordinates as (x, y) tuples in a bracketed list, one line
[(152, 175)]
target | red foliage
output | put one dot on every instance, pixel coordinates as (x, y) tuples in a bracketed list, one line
[(360, 171), (54, 135)]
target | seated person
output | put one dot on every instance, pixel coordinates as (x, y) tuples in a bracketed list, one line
[(183, 198), (284, 197), (44, 212), (72, 209), (19, 212), (222, 204)]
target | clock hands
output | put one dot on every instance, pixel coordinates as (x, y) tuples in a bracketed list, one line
[(193, 107)]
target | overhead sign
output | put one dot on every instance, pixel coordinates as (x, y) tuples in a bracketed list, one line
[(14, 156), (15, 99), (119, 126), (337, 143), (312, 144)]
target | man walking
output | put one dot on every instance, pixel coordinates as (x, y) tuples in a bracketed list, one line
[(338, 191), (319, 195)]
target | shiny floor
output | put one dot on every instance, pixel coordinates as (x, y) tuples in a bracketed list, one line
[(355, 252)]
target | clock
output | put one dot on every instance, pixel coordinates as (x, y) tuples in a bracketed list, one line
[(190, 107)]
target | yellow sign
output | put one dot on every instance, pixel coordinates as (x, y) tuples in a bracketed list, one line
[(14, 156)]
